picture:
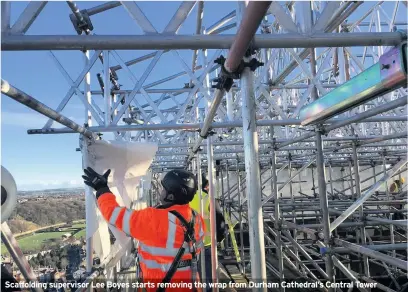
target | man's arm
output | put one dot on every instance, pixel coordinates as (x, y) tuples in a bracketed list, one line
[(139, 224)]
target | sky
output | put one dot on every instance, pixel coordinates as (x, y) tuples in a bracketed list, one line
[(51, 161)]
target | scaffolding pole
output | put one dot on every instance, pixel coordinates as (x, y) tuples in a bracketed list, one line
[(247, 29), (361, 209), (354, 119), (34, 104), (373, 254), (254, 194), (324, 204), (186, 42), (275, 195), (367, 194), (18, 256), (213, 228)]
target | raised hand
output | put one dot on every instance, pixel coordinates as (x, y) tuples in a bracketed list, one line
[(95, 180)]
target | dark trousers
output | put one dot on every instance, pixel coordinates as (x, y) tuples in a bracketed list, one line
[(208, 276)]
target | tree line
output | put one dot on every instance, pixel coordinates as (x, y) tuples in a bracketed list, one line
[(34, 214), (57, 258)]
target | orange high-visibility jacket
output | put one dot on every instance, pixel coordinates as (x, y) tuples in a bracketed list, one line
[(160, 236)]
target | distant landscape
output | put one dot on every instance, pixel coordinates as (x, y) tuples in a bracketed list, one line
[(52, 192), (35, 210)]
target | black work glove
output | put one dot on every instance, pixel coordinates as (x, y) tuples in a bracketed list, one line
[(96, 181)]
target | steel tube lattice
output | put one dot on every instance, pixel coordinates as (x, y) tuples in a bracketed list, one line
[(349, 229)]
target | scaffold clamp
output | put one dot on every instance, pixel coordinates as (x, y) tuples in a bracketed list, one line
[(209, 133), (199, 149), (324, 250), (82, 26), (225, 79)]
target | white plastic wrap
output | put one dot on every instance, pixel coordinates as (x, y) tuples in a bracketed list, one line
[(128, 162)]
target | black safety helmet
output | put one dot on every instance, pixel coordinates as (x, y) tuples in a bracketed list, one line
[(204, 181), (181, 184)]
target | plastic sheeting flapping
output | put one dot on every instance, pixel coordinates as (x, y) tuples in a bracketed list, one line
[(128, 162)]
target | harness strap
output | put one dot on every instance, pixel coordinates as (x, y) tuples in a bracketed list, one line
[(189, 236)]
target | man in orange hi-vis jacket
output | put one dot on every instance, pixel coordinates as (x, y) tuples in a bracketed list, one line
[(170, 235)]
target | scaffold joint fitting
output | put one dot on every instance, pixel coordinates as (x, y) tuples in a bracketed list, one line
[(251, 49), (209, 133), (225, 79), (199, 149), (84, 25), (324, 250), (320, 129)]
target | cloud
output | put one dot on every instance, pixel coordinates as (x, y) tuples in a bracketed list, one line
[(30, 120), (31, 185), (26, 120), (75, 182)]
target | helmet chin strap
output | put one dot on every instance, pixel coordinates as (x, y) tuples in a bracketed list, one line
[(166, 200)]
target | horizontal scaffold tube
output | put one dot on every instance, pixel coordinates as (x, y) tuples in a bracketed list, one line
[(364, 197), (240, 142), (195, 42), (348, 224), (34, 104), (197, 126), (387, 74), (354, 119), (372, 253)]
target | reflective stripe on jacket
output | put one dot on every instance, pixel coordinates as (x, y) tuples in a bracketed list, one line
[(160, 236), (196, 205)]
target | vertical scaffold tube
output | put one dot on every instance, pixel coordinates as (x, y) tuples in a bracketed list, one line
[(106, 91), (292, 198), (211, 181), (324, 204), (200, 187), (253, 190), (5, 16), (241, 227), (277, 215), (246, 15), (200, 182), (387, 193), (227, 206), (89, 197), (331, 180), (230, 106), (358, 195), (343, 184), (352, 194)]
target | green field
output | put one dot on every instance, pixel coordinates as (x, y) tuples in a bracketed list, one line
[(80, 233), (34, 241)]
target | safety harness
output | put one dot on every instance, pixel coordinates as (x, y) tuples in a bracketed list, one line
[(189, 242)]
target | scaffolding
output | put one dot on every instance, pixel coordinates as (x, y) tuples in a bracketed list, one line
[(308, 191)]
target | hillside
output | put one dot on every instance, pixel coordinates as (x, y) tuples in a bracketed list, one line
[(46, 210), (19, 225), (34, 213)]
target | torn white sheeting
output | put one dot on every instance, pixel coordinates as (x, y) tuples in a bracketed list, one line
[(128, 162)]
